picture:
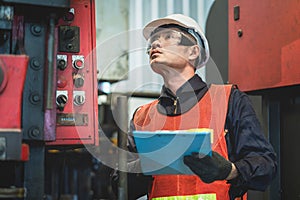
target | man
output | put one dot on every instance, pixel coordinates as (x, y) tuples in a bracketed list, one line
[(242, 158)]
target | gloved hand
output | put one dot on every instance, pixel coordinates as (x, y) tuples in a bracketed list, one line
[(208, 168)]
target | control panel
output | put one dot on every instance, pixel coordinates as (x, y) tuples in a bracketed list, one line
[(76, 93)]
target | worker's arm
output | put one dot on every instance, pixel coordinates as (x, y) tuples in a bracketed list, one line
[(252, 155), (252, 160)]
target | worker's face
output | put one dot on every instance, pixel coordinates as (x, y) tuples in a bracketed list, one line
[(169, 48)]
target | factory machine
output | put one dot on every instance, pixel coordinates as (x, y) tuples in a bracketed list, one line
[(255, 44), (49, 99)]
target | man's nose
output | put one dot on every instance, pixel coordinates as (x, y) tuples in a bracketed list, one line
[(156, 44)]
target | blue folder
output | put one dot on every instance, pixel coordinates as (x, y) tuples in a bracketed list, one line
[(162, 152)]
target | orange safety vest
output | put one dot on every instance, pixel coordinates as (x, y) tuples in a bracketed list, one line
[(210, 112)]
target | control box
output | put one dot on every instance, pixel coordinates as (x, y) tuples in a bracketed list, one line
[(76, 93)]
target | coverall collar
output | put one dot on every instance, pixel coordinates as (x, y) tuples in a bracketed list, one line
[(184, 99)]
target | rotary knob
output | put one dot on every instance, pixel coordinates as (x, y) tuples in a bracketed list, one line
[(61, 101), (79, 100)]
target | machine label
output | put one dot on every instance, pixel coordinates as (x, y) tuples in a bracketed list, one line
[(72, 119)]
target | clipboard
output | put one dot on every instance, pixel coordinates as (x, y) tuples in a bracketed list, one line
[(162, 152)]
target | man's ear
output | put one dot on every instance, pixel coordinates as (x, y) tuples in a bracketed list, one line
[(194, 52), (194, 55)]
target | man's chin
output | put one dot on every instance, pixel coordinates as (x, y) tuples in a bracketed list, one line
[(160, 68), (157, 65)]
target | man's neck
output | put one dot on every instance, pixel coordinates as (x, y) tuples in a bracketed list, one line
[(175, 81)]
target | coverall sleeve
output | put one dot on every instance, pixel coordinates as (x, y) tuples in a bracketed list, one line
[(248, 147)]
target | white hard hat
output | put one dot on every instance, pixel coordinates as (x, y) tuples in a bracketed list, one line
[(193, 28)]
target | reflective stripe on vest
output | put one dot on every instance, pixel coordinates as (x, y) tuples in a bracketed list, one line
[(210, 112), (189, 197)]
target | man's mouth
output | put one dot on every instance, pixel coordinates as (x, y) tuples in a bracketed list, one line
[(154, 53)]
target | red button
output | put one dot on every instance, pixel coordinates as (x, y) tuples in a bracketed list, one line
[(78, 64), (61, 82)]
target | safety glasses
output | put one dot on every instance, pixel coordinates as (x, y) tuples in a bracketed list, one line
[(169, 37)]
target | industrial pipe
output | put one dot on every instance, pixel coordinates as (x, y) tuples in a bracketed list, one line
[(50, 62), (122, 107)]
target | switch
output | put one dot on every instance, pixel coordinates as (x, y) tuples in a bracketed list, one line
[(78, 61), (78, 64), (61, 99), (62, 81), (61, 61), (78, 80), (79, 98)]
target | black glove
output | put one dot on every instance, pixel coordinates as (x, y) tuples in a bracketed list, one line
[(208, 168)]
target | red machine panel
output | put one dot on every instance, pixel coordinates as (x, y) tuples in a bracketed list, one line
[(264, 43), (76, 95), (13, 70), (12, 78)]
